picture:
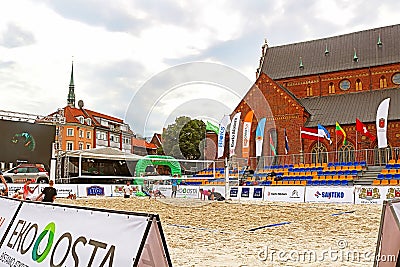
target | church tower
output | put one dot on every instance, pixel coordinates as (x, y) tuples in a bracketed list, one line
[(71, 94)]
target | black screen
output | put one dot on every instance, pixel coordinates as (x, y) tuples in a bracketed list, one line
[(26, 142)]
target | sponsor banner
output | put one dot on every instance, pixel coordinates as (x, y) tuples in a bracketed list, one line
[(247, 192), (233, 192), (90, 190), (381, 123), (233, 133), (51, 235), (117, 189), (14, 188), (285, 193), (221, 134), (219, 190), (63, 190), (330, 194), (166, 190), (8, 207), (370, 194), (186, 191)]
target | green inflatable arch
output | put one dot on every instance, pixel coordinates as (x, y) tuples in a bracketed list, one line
[(158, 160)]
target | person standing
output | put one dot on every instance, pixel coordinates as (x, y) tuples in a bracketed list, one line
[(28, 190), (49, 193), (127, 190), (174, 186), (5, 191)]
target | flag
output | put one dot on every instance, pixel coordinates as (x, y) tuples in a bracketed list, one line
[(260, 136), (381, 122), (322, 131), (233, 133), (221, 134), (308, 133), (246, 134), (340, 131), (212, 127), (361, 128), (271, 145), (286, 143)]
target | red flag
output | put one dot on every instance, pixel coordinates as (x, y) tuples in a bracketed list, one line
[(361, 128), (308, 133)]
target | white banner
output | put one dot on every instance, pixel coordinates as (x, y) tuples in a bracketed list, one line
[(370, 194), (14, 188), (218, 190), (117, 189), (285, 193), (330, 194), (49, 235), (221, 135), (63, 190), (90, 190), (381, 123), (8, 207), (186, 191), (233, 133)]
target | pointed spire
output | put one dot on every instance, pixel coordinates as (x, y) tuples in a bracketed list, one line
[(71, 93), (379, 43), (326, 50), (355, 58), (301, 66)]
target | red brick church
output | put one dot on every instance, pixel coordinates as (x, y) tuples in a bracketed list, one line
[(328, 81)]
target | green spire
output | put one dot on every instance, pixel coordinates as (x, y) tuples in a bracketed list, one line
[(301, 66), (326, 50), (379, 41), (71, 93), (355, 58)]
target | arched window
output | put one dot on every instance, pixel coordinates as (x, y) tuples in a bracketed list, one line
[(382, 82), (319, 153), (272, 139), (331, 88), (382, 155), (309, 90), (358, 85), (346, 153)]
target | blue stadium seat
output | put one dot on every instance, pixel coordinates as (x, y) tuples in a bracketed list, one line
[(309, 182), (381, 176), (397, 176), (337, 182), (315, 182), (389, 176), (329, 182), (345, 182), (322, 182)]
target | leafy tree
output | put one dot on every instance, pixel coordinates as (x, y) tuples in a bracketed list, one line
[(182, 138)]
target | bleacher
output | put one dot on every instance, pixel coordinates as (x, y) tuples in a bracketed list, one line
[(390, 175)]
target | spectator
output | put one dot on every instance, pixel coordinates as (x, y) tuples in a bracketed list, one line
[(127, 190), (174, 186), (48, 194), (28, 191), (5, 191)]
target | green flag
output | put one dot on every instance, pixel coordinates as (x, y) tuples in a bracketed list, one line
[(212, 127)]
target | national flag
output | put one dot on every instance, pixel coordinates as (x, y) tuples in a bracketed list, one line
[(212, 127), (340, 131), (271, 145), (322, 131), (361, 128), (308, 133), (260, 136), (286, 143), (381, 122)]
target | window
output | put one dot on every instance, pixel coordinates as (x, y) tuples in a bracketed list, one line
[(346, 153), (382, 82), (331, 88), (344, 85), (80, 133), (70, 146), (112, 138), (358, 85), (70, 132), (88, 146), (117, 139), (80, 146), (88, 135), (396, 78), (309, 90), (319, 153), (81, 120), (89, 121)]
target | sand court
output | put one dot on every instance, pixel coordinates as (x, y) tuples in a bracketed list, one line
[(204, 233)]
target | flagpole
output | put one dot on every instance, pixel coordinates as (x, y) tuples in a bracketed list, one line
[(301, 144), (356, 145), (336, 144)]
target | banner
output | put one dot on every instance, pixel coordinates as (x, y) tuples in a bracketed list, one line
[(260, 137), (187, 191), (370, 194), (54, 235), (285, 193), (233, 133), (246, 134), (330, 194), (221, 135), (94, 190), (8, 207), (381, 123)]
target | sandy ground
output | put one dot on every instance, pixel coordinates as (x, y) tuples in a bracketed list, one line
[(203, 233)]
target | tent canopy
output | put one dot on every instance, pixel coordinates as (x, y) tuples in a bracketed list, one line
[(103, 153)]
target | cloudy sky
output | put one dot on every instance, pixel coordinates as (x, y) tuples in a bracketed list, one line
[(149, 61)]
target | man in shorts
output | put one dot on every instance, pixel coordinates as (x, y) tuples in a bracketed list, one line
[(49, 193), (174, 186), (127, 190)]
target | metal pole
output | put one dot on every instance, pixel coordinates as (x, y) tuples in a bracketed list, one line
[(226, 179)]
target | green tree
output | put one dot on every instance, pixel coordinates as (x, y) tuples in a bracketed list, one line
[(182, 138)]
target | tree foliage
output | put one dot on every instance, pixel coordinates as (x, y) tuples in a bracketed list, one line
[(182, 138)]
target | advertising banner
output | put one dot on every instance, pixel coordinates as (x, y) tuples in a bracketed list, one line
[(233, 133), (8, 207), (93, 190), (117, 189), (218, 190), (233, 193), (14, 188), (370, 194), (51, 235), (285, 193), (186, 191), (381, 122), (330, 194), (63, 190)]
